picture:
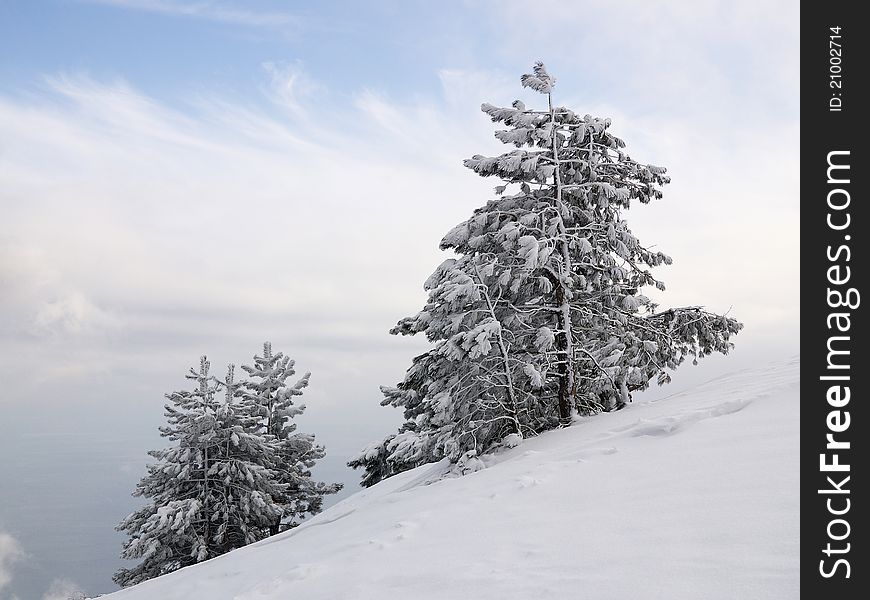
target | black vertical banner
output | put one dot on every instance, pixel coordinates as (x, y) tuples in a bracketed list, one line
[(834, 370)]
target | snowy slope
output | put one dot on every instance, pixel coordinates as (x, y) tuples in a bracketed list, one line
[(694, 496)]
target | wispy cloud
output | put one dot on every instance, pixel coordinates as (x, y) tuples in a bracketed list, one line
[(154, 225), (10, 553), (213, 11), (290, 85), (172, 228)]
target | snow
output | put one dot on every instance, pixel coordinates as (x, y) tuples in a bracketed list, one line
[(690, 496)]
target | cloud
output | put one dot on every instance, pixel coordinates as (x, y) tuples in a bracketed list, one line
[(10, 553), (213, 11), (72, 313), (290, 85), (39, 302), (63, 589), (161, 227), (730, 61), (212, 219)]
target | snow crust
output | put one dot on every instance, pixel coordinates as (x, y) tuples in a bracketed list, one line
[(690, 496)]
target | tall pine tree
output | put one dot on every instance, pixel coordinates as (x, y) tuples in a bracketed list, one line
[(541, 314)]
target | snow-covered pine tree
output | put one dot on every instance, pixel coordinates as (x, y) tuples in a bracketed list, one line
[(548, 277), (212, 491), (477, 385), (249, 483), (295, 452)]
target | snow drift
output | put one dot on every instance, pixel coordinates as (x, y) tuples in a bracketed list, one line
[(691, 496)]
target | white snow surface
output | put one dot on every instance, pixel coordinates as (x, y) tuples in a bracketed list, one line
[(690, 496)]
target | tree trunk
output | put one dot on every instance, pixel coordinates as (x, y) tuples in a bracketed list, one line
[(563, 367), (563, 337)]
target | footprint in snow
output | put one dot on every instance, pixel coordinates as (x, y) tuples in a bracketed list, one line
[(590, 452), (378, 544), (527, 481), (406, 529), (305, 571)]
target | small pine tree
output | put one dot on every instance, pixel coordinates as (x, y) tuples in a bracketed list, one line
[(295, 452), (541, 316), (212, 491)]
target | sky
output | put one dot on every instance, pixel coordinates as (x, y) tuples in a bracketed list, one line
[(194, 177)]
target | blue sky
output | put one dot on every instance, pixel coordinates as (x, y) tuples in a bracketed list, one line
[(170, 48), (395, 46), (180, 177)]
